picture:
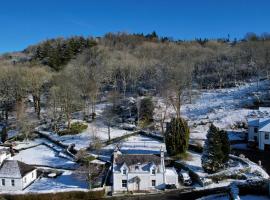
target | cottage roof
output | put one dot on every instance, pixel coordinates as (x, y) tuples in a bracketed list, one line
[(133, 159), (14, 169), (262, 123)]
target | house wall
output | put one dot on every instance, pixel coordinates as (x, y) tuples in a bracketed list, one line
[(262, 140), (19, 183), (172, 180), (251, 133), (8, 186), (29, 178), (145, 181)]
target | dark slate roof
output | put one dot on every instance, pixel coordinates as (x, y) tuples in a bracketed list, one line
[(133, 159), (14, 169)]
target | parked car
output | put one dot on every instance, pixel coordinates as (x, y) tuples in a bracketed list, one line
[(185, 178), (170, 186)]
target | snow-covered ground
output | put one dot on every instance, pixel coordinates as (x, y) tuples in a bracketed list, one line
[(43, 155), (97, 128), (223, 107), (226, 197), (66, 182), (139, 144)]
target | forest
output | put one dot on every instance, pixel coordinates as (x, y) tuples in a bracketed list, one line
[(64, 75)]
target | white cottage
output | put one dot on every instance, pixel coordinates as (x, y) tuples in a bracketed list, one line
[(259, 132), (16, 175), (141, 172)]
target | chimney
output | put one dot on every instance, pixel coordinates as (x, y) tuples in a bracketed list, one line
[(116, 152)]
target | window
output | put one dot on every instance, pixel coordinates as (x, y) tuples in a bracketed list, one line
[(24, 179), (255, 130), (266, 136), (12, 182), (32, 174), (124, 171), (153, 183), (153, 171), (3, 182), (124, 183), (136, 167)]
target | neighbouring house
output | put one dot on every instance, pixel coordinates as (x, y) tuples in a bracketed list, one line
[(4, 154), (259, 128), (141, 172), (16, 175)]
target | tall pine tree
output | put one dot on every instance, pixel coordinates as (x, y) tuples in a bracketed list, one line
[(216, 150)]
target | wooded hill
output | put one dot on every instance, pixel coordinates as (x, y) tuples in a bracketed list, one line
[(75, 71)]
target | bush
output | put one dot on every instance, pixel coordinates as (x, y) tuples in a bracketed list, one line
[(76, 128), (177, 136), (91, 195), (146, 111)]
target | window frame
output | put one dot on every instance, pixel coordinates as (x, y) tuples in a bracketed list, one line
[(255, 129), (124, 171), (3, 182), (153, 171), (12, 182), (124, 183), (153, 183), (266, 134)]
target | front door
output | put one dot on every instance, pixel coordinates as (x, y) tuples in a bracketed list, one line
[(137, 186)]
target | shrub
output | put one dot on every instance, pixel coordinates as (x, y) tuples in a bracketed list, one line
[(76, 128), (91, 195), (146, 110)]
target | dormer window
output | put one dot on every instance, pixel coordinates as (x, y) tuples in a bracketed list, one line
[(153, 171)]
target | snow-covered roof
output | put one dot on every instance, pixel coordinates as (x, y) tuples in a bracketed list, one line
[(262, 123), (14, 169)]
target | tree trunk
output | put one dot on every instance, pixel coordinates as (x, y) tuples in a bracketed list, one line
[(36, 100), (6, 115), (69, 121), (109, 131), (19, 108)]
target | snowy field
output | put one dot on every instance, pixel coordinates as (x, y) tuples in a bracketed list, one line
[(226, 197), (43, 155), (66, 182), (223, 107), (139, 145)]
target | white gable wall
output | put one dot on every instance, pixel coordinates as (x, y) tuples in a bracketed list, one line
[(19, 183)]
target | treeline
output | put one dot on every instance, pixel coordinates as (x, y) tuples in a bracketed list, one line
[(57, 52), (214, 63)]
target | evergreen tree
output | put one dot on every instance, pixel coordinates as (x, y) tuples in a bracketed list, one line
[(225, 145), (177, 136), (4, 134), (146, 110), (216, 150)]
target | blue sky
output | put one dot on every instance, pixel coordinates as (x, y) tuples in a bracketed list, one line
[(25, 22)]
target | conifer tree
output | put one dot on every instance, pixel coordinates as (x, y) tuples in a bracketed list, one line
[(216, 150), (177, 136), (225, 145)]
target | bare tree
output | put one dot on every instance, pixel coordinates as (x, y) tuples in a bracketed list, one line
[(37, 78)]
